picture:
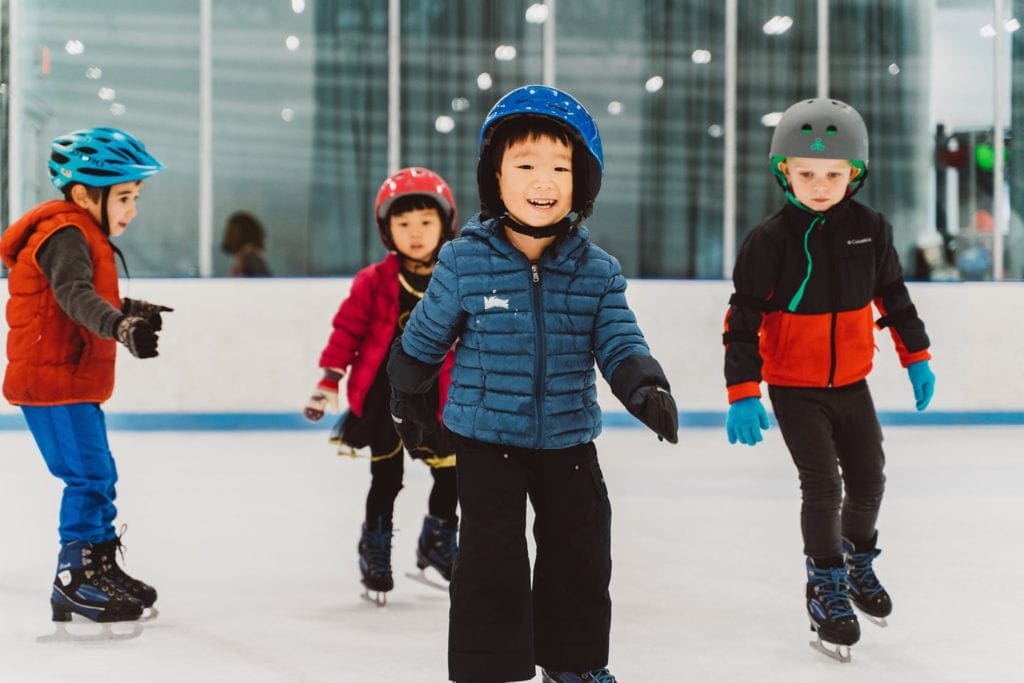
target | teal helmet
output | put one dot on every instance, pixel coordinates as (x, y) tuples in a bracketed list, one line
[(542, 100), (99, 157), (821, 128)]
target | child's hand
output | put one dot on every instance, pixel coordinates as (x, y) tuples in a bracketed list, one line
[(144, 309), (138, 336), (412, 416), (923, 380), (746, 419), (324, 396), (656, 408)]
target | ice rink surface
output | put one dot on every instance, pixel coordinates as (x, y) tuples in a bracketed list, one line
[(250, 539)]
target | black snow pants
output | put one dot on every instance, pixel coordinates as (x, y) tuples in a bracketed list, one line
[(834, 438), (499, 628)]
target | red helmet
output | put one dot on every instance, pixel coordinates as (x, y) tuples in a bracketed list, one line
[(414, 180)]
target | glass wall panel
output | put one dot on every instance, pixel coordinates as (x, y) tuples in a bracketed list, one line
[(86, 64), (299, 111)]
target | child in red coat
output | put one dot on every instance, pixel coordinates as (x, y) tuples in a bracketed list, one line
[(415, 212)]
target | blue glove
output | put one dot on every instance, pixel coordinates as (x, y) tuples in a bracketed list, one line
[(746, 419), (923, 380)]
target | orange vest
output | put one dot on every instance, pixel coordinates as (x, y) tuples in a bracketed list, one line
[(52, 360)]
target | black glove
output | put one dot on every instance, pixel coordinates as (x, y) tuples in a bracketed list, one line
[(138, 336), (143, 309), (656, 408), (413, 417)]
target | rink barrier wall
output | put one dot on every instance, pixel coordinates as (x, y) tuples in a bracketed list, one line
[(242, 354), (273, 422)]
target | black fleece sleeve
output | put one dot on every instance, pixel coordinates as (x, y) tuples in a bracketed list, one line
[(67, 265)]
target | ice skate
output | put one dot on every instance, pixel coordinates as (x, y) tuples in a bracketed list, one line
[(375, 563), (436, 548), (828, 606), (82, 588), (596, 676), (866, 593), (141, 591)]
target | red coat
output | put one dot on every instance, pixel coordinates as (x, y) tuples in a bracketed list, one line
[(364, 328), (52, 360)]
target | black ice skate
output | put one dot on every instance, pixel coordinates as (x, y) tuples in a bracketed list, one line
[(81, 587), (375, 563), (828, 606), (596, 676), (143, 592), (866, 593), (436, 548)]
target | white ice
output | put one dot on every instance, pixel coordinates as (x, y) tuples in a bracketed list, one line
[(250, 539)]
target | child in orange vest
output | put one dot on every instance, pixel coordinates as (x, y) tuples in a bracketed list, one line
[(65, 315)]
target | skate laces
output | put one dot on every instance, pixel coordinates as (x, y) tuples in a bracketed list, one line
[(863, 573), (602, 675), (831, 587)]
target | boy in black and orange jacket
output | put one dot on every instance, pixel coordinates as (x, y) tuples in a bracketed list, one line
[(801, 319)]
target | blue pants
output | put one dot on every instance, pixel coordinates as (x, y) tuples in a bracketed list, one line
[(73, 441)]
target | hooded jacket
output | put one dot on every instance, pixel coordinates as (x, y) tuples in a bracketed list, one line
[(528, 336), (801, 314), (364, 327), (52, 359)]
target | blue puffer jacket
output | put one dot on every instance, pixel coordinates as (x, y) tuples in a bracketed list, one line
[(528, 336)]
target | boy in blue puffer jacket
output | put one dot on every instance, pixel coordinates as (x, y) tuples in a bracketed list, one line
[(532, 303)]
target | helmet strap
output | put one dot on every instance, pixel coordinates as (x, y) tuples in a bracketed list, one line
[(105, 222), (562, 227)]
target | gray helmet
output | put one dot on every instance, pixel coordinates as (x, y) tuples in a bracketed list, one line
[(821, 128)]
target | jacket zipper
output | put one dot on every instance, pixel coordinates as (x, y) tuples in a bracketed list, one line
[(539, 368), (833, 296)]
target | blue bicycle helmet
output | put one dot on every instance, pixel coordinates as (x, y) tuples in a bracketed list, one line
[(541, 100), (99, 157)]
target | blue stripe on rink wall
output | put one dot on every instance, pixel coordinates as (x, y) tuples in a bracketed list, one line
[(229, 422)]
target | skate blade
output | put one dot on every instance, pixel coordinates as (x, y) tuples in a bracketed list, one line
[(149, 614), (880, 622), (379, 598), (422, 577), (840, 653), (90, 634)]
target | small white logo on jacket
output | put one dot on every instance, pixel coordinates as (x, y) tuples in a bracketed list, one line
[(859, 240), (495, 302)]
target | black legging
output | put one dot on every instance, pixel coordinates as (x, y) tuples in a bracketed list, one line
[(834, 438), (387, 461)]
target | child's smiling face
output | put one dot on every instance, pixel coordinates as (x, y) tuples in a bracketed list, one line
[(535, 181)]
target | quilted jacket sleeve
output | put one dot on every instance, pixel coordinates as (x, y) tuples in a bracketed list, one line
[(617, 335), (351, 323), (437, 320)]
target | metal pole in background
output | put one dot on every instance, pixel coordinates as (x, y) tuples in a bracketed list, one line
[(729, 164), (823, 84), (205, 138), (548, 47), (13, 180), (394, 85), (1002, 81)]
